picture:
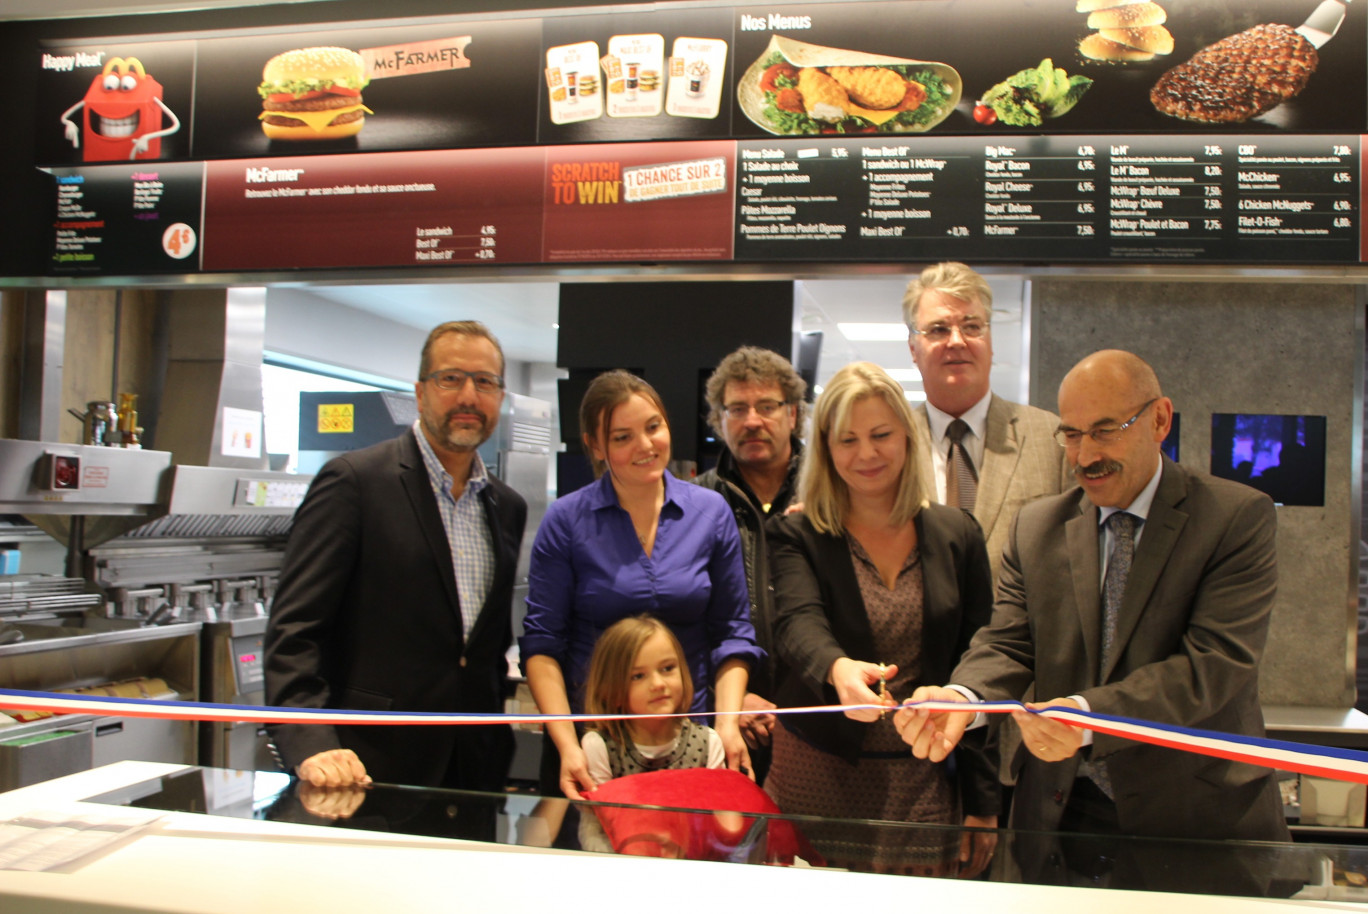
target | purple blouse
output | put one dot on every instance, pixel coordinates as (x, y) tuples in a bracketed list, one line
[(588, 570)]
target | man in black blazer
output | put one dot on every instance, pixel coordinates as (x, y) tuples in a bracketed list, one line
[(1187, 628), (397, 587)]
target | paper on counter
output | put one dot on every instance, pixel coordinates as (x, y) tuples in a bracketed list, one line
[(41, 840)]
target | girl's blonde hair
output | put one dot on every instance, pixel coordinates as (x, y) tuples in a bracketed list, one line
[(823, 493), (614, 654)]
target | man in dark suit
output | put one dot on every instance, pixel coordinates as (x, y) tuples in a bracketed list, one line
[(1009, 447), (396, 590), (1161, 614)]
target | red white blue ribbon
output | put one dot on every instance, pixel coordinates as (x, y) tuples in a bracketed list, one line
[(1320, 761)]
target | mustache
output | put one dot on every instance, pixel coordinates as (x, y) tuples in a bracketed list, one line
[(1098, 468), (755, 436), (466, 410)]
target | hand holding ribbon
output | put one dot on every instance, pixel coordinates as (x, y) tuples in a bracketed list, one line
[(932, 734)]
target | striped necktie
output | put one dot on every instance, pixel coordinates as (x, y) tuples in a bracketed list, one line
[(961, 481)]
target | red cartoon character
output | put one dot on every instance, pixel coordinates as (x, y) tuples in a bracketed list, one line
[(123, 114)]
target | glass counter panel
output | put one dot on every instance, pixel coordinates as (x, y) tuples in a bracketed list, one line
[(1337, 872)]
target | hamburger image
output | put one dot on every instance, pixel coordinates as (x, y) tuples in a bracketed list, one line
[(313, 94)]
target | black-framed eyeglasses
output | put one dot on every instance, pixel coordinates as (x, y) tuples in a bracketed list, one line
[(765, 409), (971, 329), (486, 382), (1106, 434)]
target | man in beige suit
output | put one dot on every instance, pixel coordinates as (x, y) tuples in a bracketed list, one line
[(1007, 455)]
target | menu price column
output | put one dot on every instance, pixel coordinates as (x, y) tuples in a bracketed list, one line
[(441, 243), (1219, 198), (913, 192), (856, 198), (1039, 192), (1166, 197), (1297, 198)]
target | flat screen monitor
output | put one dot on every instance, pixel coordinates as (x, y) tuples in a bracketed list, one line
[(1282, 456)]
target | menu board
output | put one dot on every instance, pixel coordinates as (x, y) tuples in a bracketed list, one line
[(382, 209), (905, 130), (1026, 199), (126, 219), (1144, 198), (634, 201)]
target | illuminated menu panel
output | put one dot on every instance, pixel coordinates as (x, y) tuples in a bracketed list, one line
[(270, 493)]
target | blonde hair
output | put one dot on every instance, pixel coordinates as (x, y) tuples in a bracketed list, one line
[(949, 278), (615, 653), (824, 494)]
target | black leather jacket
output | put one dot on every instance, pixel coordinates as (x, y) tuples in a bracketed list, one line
[(726, 479)]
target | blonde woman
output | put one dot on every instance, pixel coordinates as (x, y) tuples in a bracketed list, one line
[(869, 574)]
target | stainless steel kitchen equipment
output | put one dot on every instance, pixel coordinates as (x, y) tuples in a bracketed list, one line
[(72, 651), (155, 551), (54, 630), (212, 558), (519, 453)]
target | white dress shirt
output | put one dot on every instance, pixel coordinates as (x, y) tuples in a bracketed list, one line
[(976, 417)]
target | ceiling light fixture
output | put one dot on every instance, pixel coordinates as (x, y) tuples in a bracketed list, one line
[(874, 333)]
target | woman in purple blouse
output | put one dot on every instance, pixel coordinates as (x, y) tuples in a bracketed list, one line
[(636, 541)]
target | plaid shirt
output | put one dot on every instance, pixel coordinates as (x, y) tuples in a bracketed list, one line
[(467, 531)]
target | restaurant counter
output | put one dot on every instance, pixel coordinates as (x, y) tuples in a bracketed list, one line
[(232, 841)]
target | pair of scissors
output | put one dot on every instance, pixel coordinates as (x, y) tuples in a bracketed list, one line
[(883, 686)]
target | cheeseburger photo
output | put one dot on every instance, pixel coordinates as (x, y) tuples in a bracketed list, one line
[(313, 94)]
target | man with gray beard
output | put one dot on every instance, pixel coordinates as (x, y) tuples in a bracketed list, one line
[(396, 589)]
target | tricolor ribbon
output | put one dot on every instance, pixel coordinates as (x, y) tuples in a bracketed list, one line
[(1320, 761)]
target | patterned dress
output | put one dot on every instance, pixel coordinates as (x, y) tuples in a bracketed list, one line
[(887, 785), (690, 750)]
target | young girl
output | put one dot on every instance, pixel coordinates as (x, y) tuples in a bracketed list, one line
[(638, 668)]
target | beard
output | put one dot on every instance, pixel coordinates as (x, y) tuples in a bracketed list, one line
[(463, 437)]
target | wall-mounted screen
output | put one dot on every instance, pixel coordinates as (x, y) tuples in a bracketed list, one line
[(1170, 445), (1283, 456)]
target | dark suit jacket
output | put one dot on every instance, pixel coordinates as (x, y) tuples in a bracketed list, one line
[(820, 617), (1193, 624), (367, 617)]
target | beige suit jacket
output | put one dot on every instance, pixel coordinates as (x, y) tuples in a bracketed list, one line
[(1021, 462)]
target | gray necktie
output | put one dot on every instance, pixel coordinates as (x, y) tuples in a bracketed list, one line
[(1113, 589), (1114, 584), (961, 482)]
